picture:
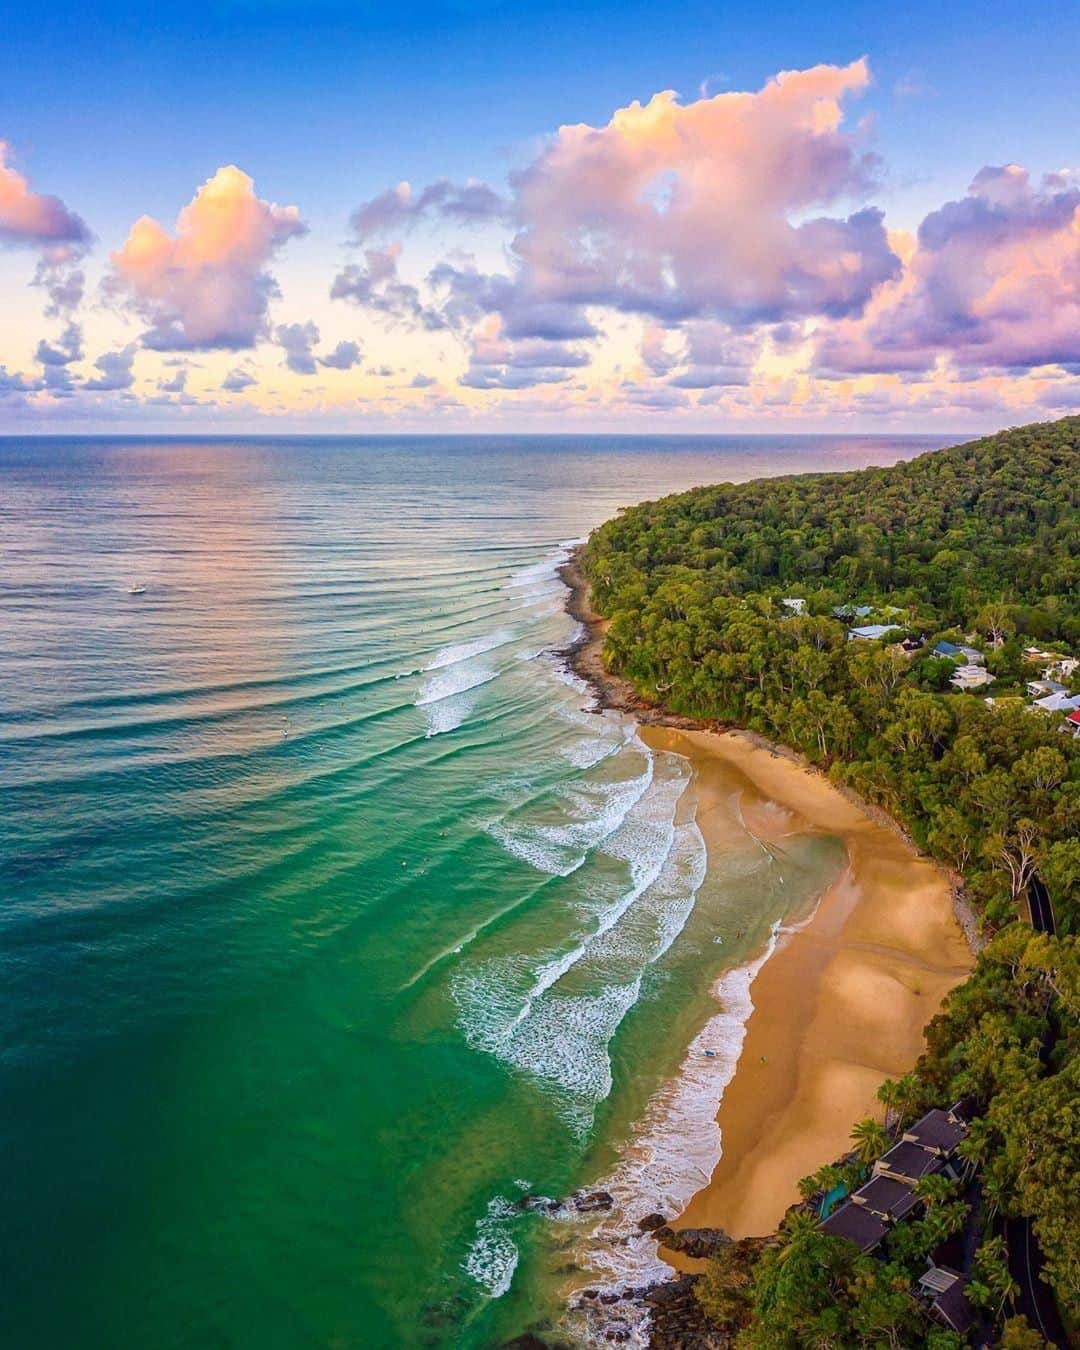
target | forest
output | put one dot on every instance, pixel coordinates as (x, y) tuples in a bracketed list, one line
[(733, 604)]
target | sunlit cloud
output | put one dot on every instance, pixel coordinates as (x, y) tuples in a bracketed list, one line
[(34, 219), (209, 285)]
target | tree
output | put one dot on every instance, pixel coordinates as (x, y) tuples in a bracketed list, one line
[(870, 1138), (995, 621), (1015, 853), (1043, 768)]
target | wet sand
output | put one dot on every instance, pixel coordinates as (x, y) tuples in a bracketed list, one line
[(841, 1004)]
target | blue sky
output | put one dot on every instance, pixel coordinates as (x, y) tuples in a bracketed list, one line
[(121, 110)]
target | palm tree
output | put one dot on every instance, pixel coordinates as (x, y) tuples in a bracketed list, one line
[(934, 1190), (870, 1138)]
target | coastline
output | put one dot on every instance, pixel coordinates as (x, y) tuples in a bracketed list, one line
[(842, 1002)]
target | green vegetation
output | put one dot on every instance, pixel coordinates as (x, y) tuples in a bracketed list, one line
[(981, 539), (981, 544)]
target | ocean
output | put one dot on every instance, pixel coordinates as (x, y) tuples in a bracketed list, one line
[(335, 928)]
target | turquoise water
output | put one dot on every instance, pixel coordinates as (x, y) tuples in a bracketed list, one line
[(331, 923)]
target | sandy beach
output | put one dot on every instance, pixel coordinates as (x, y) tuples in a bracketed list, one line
[(842, 1002)]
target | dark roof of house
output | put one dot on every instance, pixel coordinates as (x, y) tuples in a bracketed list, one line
[(858, 1225), (908, 1160), (954, 1309), (885, 1196), (947, 648), (935, 1130)]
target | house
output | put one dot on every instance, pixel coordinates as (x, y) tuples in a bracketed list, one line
[(1062, 703), (1040, 688), (870, 632), (848, 612), (939, 1131), (888, 1199), (1072, 723), (858, 1224), (1037, 654), (794, 604), (946, 1290), (907, 1162), (912, 644), (969, 654), (971, 677), (1064, 668)]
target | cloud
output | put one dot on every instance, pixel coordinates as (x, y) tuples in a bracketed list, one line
[(717, 356), (115, 370), (68, 348), (344, 356), (59, 273), (398, 208), (209, 285), (11, 383), (32, 218), (376, 286), (175, 384), (421, 381), (721, 210), (297, 341), (703, 209), (993, 281), (238, 380)]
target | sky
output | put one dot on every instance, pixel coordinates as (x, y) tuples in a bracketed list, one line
[(261, 216)]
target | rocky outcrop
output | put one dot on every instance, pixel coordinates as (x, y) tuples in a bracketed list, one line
[(700, 1243), (651, 1222), (593, 1202)]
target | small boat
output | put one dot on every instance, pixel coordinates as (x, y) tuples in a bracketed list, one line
[(136, 590)]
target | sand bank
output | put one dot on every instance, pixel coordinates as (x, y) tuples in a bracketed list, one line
[(843, 1001)]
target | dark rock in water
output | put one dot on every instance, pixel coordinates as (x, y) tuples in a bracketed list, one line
[(590, 1293), (527, 1341), (593, 1202), (542, 1204), (609, 1298), (650, 1222), (700, 1243)]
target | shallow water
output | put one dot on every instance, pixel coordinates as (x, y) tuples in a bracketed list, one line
[(331, 922)]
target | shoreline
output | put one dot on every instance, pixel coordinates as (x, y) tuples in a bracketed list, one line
[(843, 999), (584, 659)]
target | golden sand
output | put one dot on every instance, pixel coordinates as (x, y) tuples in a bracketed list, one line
[(842, 1002)]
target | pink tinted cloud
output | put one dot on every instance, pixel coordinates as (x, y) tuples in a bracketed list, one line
[(993, 282), (34, 218), (209, 286), (703, 209)]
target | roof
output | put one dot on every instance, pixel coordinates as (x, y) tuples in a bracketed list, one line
[(856, 611), (1058, 702), (935, 1130), (1074, 718), (954, 1309), (947, 649), (908, 1160), (936, 1279), (871, 630), (858, 1225), (1051, 686), (891, 1199)]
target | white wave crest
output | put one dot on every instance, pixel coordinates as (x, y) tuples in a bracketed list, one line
[(493, 1256)]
